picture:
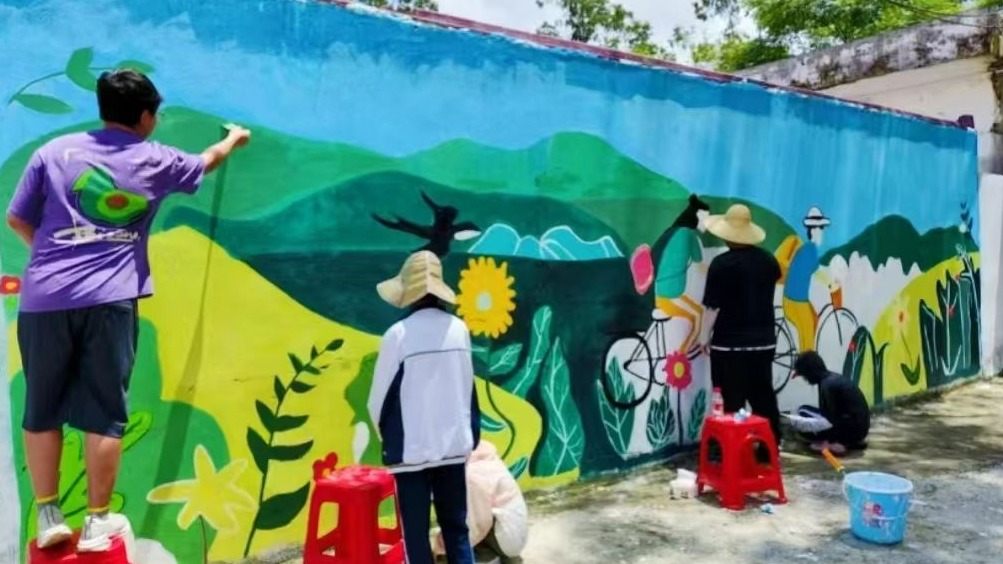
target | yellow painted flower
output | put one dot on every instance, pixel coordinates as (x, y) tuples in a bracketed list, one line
[(486, 297), (900, 317), (211, 495)]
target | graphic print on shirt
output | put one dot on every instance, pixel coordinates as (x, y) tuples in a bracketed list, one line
[(106, 205)]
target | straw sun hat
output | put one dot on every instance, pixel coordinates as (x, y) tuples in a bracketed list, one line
[(420, 276), (736, 226)]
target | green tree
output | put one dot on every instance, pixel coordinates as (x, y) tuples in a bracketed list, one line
[(795, 26), (429, 5), (604, 23)]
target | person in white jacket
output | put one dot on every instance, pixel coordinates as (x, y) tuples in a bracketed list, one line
[(424, 405)]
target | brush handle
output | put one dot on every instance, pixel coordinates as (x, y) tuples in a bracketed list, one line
[(833, 461)]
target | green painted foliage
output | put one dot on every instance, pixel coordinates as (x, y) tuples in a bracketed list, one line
[(504, 361), (539, 342), (861, 353), (564, 441), (280, 509), (619, 423), (661, 424), (950, 337), (698, 414)]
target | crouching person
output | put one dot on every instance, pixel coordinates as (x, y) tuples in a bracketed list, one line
[(424, 404), (842, 420), (497, 515)]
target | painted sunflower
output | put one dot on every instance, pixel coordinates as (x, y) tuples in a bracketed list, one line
[(486, 298)]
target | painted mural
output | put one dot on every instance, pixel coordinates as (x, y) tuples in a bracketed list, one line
[(565, 195)]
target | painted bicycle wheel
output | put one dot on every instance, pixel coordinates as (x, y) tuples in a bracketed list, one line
[(628, 371)]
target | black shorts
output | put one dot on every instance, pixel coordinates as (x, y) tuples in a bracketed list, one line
[(77, 364)]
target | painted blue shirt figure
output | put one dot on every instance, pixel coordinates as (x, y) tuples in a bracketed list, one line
[(797, 288)]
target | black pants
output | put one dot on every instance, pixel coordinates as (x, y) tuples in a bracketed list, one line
[(77, 365), (447, 487), (747, 376)]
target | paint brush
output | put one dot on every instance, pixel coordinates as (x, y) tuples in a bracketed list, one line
[(833, 461)]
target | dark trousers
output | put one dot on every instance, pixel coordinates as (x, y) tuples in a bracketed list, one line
[(446, 486), (747, 376)]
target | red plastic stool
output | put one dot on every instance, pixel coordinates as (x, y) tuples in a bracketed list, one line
[(738, 473), (66, 553), (358, 537)]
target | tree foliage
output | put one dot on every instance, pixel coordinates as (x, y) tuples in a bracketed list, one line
[(794, 26), (429, 5), (604, 23)]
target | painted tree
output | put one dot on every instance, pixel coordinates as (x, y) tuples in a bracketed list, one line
[(789, 27), (604, 23)]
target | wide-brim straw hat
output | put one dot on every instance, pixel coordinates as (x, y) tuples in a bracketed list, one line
[(420, 276), (736, 226)]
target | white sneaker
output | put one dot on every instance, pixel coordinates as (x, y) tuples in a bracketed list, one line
[(99, 530), (52, 527)]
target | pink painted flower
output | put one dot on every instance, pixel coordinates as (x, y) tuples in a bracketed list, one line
[(642, 269), (678, 371)]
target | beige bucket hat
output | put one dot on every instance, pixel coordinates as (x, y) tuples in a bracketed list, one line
[(420, 276), (736, 226)]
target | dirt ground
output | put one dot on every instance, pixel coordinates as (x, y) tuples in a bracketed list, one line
[(951, 447)]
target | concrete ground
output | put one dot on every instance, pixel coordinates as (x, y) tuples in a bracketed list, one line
[(951, 447)]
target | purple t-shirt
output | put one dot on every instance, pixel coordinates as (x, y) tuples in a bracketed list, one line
[(91, 198)]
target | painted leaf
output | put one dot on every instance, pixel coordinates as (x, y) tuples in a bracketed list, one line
[(661, 424), (334, 345), (564, 442), (300, 387), (856, 355), (518, 467), (287, 453), (538, 343), (878, 370), (296, 362), (43, 104), (491, 425), (698, 414), (266, 416), (504, 361), (139, 66), (912, 373), (311, 369), (139, 425), (619, 423), (280, 510), (289, 422), (480, 352), (259, 450), (280, 390), (78, 69), (314, 353)]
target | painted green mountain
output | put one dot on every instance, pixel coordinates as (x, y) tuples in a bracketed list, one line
[(277, 169), (339, 218), (642, 220), (567, 166), (894, 236)]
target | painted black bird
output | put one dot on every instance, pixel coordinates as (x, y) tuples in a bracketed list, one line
[(441, 233)]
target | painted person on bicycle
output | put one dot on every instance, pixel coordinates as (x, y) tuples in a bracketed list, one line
[(738, 328), (674, 252), (803, 267)]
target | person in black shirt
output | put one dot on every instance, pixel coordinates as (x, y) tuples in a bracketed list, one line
[(843, 418), (738, 329)]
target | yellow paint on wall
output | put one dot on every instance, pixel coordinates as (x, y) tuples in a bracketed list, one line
[(903, 335), (221, 354)]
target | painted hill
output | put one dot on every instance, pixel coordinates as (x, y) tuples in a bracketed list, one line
[(567, 166), (894, 236), (558, 243), (339, 217)]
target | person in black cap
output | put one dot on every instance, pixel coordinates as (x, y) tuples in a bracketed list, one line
[(842, 420)]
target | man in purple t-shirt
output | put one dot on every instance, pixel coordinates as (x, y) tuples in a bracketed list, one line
[(84, 206)]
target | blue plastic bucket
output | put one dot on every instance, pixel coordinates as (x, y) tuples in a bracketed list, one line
[(879, 506)]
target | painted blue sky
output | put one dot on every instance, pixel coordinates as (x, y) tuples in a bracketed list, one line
[(326, 73)]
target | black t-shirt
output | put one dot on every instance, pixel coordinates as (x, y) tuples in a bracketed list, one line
[(741, 284)]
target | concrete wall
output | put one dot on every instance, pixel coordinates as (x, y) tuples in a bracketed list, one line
[(257, 350)]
